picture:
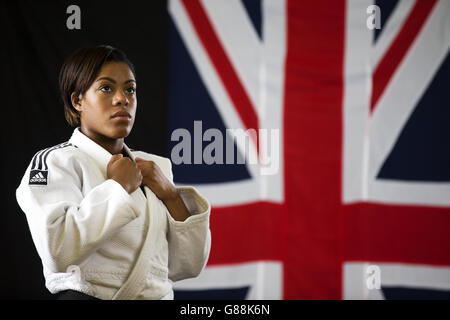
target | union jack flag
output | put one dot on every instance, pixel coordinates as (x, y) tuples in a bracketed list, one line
[(363, 179)]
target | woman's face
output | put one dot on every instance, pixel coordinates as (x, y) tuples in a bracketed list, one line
[(108, 107)]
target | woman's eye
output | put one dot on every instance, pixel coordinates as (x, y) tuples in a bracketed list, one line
[(105, 89), (131, 90)]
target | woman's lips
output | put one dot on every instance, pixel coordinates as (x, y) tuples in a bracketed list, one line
[(121, 118), (121, 115)]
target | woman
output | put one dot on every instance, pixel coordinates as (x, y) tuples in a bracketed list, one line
[(107, 222)]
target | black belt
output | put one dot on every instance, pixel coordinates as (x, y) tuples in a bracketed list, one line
[(74, 295)]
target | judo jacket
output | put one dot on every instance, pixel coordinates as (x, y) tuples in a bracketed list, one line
[(94, 237)]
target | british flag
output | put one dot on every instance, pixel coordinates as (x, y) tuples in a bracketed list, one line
[(363, 184)]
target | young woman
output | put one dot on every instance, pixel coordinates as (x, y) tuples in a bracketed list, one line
[(107, 222)]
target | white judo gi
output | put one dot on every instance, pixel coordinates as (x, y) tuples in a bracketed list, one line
[(94, 237)]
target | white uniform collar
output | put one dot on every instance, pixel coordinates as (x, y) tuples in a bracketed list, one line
[(100, 155)]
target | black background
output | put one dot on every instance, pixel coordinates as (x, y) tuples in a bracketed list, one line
[(35, 42)]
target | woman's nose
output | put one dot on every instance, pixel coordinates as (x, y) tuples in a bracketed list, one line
[(120, 99)]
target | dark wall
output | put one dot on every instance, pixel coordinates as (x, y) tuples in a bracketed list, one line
[(35, 42)]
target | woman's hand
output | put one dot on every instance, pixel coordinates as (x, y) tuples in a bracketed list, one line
[(124, 171), (155, 179)]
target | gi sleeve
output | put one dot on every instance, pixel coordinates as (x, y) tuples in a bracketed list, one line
[(189, 240), (66, 226)]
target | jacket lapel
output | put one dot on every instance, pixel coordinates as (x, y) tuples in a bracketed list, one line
[(99, 155)]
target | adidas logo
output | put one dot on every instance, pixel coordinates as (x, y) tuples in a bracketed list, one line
[(38, 177)]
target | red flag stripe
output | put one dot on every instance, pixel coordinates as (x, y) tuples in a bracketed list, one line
[(388, 233), (244, 233), (313, 146), (223, 66), (399, 47)]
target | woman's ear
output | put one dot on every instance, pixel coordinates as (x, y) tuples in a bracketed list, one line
[(76, 101)]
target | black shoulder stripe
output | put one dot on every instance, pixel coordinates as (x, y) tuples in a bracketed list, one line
[(63, 145), (39, 168), (43, 158), (40, 158), (33, 164), (39, 161), (36, 159)]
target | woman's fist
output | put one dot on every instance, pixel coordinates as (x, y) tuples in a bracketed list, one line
[(155, 179), (124, 171)]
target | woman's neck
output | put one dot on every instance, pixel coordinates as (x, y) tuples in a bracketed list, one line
[(113, 146)]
